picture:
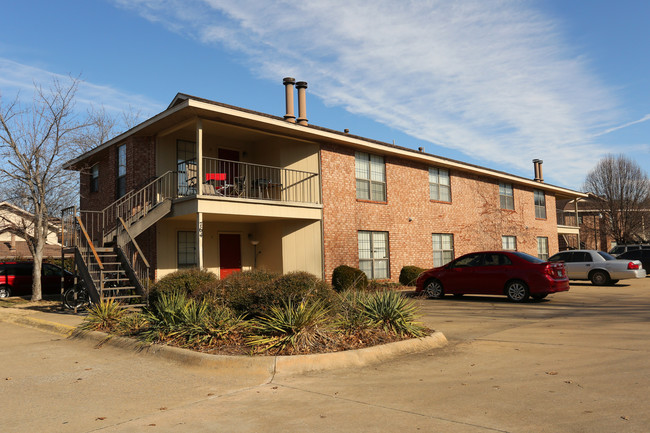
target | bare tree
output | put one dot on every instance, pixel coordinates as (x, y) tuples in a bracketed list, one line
[(35, 141), (623, 190)]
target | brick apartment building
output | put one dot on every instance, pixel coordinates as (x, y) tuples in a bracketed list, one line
[(281, 194)]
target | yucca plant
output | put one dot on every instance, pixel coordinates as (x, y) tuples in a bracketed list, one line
[(351, 312), (104, 316), (293, 327), (391, 311)]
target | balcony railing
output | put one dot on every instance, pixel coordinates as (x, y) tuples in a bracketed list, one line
[(224, 178), (565, 218)]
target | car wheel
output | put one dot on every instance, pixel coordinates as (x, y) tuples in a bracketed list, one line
[(539, 296), (433, 289), (5, 292), (517, 291), (599, 278)]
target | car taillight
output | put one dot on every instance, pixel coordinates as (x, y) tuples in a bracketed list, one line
[(632, 265)]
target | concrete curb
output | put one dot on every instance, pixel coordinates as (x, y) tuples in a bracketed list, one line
[(266, 366)]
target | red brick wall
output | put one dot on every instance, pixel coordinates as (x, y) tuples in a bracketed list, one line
[(140, 169), (473, 216)]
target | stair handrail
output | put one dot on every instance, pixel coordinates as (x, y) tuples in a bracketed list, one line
[(87, 266), (133, 259), (142, 200), (89, 243)]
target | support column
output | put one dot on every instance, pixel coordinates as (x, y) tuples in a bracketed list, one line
[(577, 220), (199, 157), (199, 240)]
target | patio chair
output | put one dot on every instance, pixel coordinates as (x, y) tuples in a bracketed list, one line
[(218, 182)]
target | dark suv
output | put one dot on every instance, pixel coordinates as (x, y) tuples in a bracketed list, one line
[(620, 249), (16, 279), (642, 255)]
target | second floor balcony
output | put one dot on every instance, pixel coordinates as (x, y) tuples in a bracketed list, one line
[(221, 178)]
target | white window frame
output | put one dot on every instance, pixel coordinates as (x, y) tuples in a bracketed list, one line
[(509, 243), (506, 196), (542, 247), (443, 252), (374, 254), (370, 173), (439, 184), (540, 204)]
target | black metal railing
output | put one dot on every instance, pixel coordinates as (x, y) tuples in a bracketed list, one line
[(225, 178)]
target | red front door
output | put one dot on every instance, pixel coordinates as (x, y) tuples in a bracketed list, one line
[(229, 254)]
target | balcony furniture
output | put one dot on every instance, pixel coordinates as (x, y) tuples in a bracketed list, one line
[(218, 183)]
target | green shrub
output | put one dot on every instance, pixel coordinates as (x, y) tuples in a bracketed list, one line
[(254, 293), (292, 326), (409, 274), (347, 277), (187, 280), (392, 312), (104, 316)]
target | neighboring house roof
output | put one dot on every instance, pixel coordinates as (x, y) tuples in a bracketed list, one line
[(184, 109), (9, 211)]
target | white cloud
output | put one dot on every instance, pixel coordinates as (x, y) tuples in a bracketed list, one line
[(492, 79), (19, 79)]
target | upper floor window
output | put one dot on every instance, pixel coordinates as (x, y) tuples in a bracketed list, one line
[(121, 170), (373, 254), (94, 178), (509, 243), (370, 172), (506, 196), (439, 187), (540, 204), (443, 249)]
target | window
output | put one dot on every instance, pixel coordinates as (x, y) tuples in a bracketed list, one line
[(506, 196), (186, 249), (121, 170), (443, 249), (370, 172), (509, 243), (373, 254), (439, 187), (542, 248), (540, 204), (94, 178)]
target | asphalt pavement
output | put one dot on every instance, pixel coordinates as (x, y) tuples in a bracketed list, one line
[(575, 362)]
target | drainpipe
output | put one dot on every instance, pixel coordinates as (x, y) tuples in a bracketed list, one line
[(302, 102), (288, 89)]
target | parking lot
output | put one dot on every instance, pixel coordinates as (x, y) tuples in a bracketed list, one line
[(575, 362)]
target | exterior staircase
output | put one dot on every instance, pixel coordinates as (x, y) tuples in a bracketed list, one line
[(107, 256)]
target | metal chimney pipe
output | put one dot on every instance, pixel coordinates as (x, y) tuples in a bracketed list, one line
[(288, 90), (536, 168), (302, 102), (539, 169)]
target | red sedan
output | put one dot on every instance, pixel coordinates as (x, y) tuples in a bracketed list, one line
[(511, 273)]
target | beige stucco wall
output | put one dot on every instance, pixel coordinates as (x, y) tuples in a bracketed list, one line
[(284, 245)]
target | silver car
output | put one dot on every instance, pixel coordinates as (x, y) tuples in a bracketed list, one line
[(598, 266)]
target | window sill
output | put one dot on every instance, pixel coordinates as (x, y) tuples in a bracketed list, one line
[(439, 201), (371, 201)]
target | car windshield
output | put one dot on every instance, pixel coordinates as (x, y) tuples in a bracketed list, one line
[(617, 250), (606, 256), (528, 257)]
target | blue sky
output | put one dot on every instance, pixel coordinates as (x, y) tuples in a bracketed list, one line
[(491, 82)]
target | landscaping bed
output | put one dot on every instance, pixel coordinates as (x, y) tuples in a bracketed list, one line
[(261, 313)]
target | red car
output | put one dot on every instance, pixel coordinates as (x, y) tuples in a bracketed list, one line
[(16, 279), (510, 273)]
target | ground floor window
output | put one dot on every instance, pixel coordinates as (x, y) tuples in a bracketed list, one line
[(443, 249), (542, 248), (373, 254), (509, 243), (186, 249)]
